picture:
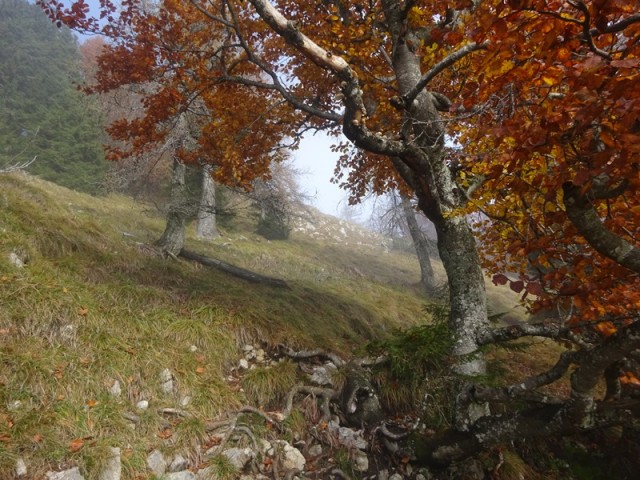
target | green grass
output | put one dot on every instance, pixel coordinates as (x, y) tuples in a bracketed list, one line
[(95, 305)]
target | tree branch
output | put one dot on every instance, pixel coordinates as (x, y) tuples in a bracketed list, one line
[(585, 218), (410, 96)]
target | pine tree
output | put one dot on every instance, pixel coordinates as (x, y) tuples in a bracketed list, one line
[(42, 113)]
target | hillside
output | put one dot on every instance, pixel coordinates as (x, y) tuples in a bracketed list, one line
[(96, 316)]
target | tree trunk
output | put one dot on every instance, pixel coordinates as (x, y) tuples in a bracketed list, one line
[(421, 244), (206, 227), (172, 239)]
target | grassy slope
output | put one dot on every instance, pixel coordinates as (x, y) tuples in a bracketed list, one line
[(94, 306)]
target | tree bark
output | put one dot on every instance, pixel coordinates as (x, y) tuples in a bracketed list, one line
[(421, 244), (206, 227), (172, 240), (242, 273)]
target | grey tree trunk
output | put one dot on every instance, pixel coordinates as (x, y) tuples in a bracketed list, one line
[(172, 240), (422, 246), (439, 198), (206, 227)]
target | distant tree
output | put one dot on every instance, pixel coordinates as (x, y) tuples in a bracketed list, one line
[(278, 200), (206, 226), (39, 66), (396, 216)]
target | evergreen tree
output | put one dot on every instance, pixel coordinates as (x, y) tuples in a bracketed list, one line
[(42, 113)]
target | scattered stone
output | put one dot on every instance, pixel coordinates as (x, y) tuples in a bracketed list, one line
[(361, 461), (206, 474), (72, 474), (323, 375), (265, 446), (166, 380), (293, 459), (395, 476), (315, 450), (157, 463), (186, 400), (178, 464), (113, 467), (15, 260), (193, 348), (348, 437), (243, 364), (142, 405), (239, 457), (21, 468), (184, 475), (115, 389), (15, 405), (383, 474), (260, 355)]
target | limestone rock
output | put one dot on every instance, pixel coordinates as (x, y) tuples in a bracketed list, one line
[(72, 474), (15, 260), (178, 464), (21, 468), (113, 467), (239, 457), (395, 476), (315, 450), (293, 459), (184, 475), (142, 405), (157, 463), (166, 380), (243, 364), (323, 375), (361, 461), (115, 389)]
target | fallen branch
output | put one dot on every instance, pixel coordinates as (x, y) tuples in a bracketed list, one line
[(242, 273)]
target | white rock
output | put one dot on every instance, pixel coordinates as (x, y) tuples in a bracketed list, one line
[(157, 463), (115, 389), (239, 457), (293, 459), (142, 405), (113, 467), (178, 463), (260, 355), (15, 260), (15, 405), (186, 400), (21, 468), (72, 474), (383, 474), (243, 364), (206, 474), (193, 348), (323, 375), (395, 476), (264, 445), (166, 380), (315, 450), (361, 461)]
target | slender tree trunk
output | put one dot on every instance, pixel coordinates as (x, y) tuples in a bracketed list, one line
[(421, 244), (172, 239), (206, 227)]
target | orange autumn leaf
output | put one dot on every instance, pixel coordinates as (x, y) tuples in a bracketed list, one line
[(75, 445), (165, 434), (200, 370), (91, 403), (83, 311)]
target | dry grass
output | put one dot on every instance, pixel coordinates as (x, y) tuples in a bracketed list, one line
[(93, 307)]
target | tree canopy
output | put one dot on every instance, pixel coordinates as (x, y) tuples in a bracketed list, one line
[(41, 112), (523, 113)]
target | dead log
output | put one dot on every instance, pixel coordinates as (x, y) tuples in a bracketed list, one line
[(242, 273)]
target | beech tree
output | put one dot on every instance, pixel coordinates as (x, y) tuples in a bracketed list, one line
[(539, 99)]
